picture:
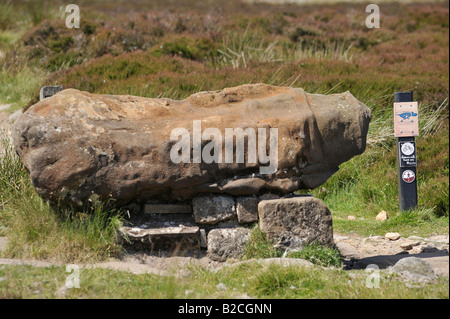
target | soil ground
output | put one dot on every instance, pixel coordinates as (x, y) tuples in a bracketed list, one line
[(358, 252)]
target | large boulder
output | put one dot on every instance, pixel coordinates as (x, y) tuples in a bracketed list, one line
[(78, 145)]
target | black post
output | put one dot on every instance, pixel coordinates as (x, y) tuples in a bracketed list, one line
[(48, 91), (406, 169)]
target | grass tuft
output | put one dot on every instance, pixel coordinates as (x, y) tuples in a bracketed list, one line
[(39, 230), (260, 247), (319, 255)]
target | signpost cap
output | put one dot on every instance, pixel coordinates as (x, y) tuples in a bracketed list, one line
[(403, 96)]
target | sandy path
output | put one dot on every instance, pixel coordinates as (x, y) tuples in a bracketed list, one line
[(359, 252)]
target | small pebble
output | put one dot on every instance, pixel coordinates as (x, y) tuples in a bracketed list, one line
[(382, 216), (221, 286), (392, 236)]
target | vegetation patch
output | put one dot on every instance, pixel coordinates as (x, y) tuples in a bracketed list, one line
[(249, 280), (260, 247), (39, 230)]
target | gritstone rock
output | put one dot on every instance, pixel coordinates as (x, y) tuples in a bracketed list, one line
[(292, 223), (224, 243), (76, 145), (414, 270)]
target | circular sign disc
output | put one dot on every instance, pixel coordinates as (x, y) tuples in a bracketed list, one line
[(408, 176), (408, 149)]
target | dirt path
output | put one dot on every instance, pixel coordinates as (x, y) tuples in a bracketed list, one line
[(358, 252)]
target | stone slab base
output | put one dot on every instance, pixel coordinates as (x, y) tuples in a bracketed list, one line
[(221, 224)]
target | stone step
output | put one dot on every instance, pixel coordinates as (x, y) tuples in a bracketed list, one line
[(160, 220), (175, 240), (167, 209)]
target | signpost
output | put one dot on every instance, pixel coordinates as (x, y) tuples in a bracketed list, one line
[(406, 127), (48, 91)]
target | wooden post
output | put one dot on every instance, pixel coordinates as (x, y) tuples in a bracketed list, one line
[(406, 128)]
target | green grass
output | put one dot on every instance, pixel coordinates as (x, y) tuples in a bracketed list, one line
[(38, 230), (409, 223), (319, 255), (254, 280), (259, 246), (8, 37), (47, 233), (6, 15), (20, 86)]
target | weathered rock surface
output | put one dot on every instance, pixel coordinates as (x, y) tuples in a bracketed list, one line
[(167, 209), (414, 270), (76, 144), (348, 251), (224, 243), (295, 222), (174, 239), (392, 236), (212, 209), (247, 209), (48, 91), (360, 252), (382, 216)]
